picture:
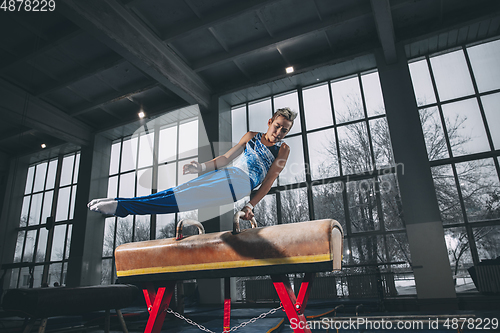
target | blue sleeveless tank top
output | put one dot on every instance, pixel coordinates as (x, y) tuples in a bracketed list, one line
[(256, 160)]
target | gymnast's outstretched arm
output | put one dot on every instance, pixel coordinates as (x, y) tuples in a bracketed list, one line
[(222, 160)]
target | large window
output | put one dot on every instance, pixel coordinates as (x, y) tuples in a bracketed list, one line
[(340, 166), (41, 255), (458, 95), (147, 162)]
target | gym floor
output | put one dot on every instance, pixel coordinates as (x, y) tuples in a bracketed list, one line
[(321, 318)]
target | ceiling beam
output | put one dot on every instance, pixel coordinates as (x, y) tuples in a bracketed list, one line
[(88, 70), (385, 29), (223, 14), (357, 13), (30, 52), (23, 108), (120, 30), (115, 96)]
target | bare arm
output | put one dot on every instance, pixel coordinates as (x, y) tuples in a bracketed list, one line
[(222, 160), (273, 173)]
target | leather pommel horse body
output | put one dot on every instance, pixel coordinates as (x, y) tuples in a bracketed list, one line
[(305, 247)]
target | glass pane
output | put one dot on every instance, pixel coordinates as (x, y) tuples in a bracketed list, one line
[(368, 249), (29, 180), (381, 141), (24, 278), (188, 139), (451, 75), (41, 171), (42, 245), (36, 209), (47, 206), (109, 234), (487, 242), (294, 206), (373, 94), (422, 83), (432, 127), (68, 241), (77, 168), (23, 221), (292, 101), (19, 246), (480, 188), (485, 63), (347, 101), (355, 153), (14, 278), (168, 144), (146, 148), (294, 171), (72, 203), (29, 248), (491, 105), (459, 255), (67, 170), (127, 185), (398, 247), (362, 205), (238, 123), (265, 212), (447, 194), (51, 175), (106, 271), (58, 243), (323, 154), (258, 115), (63, 204), (165, 226), (114, 161), (124, 230), (465, 127), (144, 182), (129, 154), (166, 176), (55, 275), (317, 107), (392, 207), (329, 203), (113, 187), (142, 228)]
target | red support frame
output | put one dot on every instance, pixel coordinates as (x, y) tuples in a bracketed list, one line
[(157, 302), (294, 306), (227, 305)]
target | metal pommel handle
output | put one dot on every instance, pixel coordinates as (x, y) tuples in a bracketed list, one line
[(236, 222), (178, 231)]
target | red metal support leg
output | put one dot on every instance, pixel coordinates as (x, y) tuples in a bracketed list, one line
[(227, 305), (157, 302), (304, 291), (288, 300)]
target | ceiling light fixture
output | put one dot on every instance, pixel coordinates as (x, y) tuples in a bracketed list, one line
[(43, 145), (141, 114), (289, 70)]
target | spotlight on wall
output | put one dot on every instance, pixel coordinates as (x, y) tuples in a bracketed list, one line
[(43, 145), (141, 114), (289, 70)]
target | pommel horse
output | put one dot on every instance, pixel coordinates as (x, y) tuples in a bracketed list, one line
[(304, 247)]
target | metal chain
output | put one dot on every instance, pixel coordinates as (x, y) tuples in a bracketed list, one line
[(203, 328), (253, 320)]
